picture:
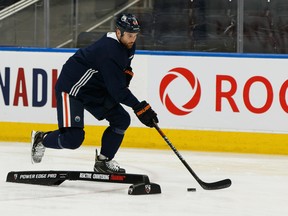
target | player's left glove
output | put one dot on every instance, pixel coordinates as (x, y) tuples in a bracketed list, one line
[(145, 114), (129, 75)]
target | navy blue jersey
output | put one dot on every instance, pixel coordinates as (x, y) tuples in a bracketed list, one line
[(95, 74)]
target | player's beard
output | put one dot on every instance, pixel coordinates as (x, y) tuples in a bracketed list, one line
[(128, 45)]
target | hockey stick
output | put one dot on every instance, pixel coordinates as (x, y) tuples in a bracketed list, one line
[(207, 186)]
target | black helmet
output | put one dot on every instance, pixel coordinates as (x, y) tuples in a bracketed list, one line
[(128, 23)]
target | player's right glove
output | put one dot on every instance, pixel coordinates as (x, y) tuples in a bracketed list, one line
[(145, 114)]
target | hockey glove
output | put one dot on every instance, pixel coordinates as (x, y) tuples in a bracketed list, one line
[(145, 114), (128, 74)]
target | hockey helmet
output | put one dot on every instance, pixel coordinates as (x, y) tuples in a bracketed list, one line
[(128, 23)]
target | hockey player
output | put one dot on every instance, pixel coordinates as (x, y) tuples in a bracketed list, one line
[(96, 78)]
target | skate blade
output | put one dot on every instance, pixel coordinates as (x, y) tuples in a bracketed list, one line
[(32, 141)]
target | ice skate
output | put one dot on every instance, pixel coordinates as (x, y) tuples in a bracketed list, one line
[(37, 147), (106, 166)]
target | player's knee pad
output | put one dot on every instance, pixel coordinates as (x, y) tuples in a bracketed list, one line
[(71, 138)]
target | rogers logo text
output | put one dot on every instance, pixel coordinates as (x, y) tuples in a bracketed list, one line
[(195, 90)]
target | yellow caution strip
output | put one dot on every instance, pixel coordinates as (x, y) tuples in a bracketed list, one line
[(196, 140)]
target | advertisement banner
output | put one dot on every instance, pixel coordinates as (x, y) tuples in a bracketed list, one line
[(27, 82), (222, 93)]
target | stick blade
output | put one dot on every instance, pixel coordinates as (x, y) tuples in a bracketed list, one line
[(216, 185)]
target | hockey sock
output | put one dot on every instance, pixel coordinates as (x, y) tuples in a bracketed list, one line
[(68, 138), (51, 140), (111, 142)]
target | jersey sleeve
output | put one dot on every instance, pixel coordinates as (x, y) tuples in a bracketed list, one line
[(114, 78)]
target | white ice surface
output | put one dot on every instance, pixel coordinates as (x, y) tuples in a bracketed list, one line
[(259, 184)]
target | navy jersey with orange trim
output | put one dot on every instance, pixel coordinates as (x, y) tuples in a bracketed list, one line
[(95, 74)]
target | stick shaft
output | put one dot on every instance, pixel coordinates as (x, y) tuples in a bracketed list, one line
[(176, 152), (207, 186)]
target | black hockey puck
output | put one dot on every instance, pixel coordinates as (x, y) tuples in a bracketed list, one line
[(191, 189)]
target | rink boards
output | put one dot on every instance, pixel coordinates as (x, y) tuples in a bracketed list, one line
[(197, 140), (205, 102)]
